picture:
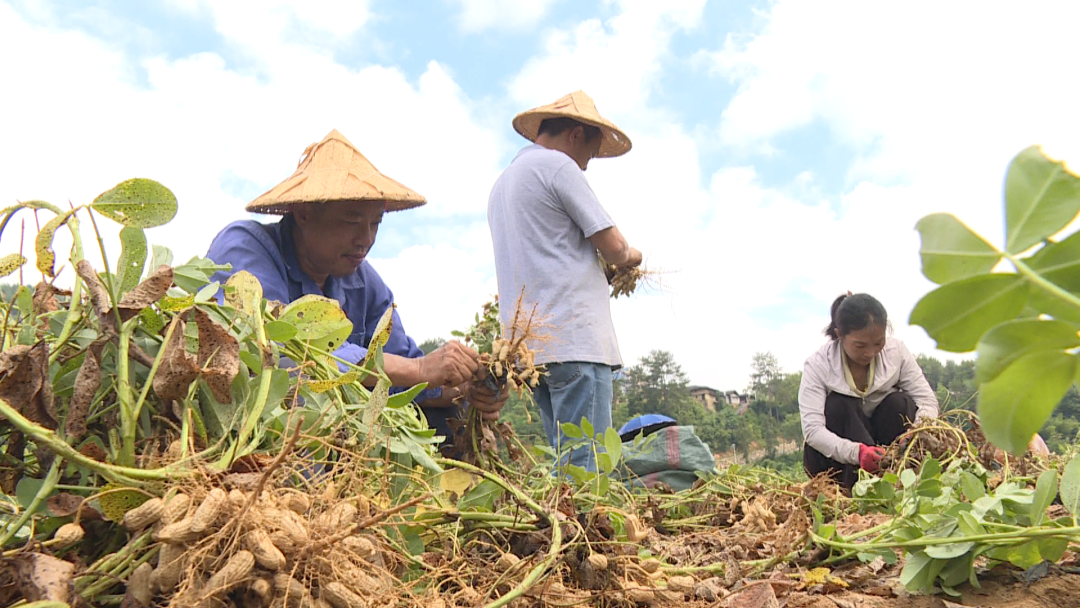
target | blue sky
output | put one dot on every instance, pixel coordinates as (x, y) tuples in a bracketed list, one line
[(783, 150)]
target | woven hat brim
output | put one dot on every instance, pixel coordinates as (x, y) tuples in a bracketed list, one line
[(615, 143), (334, 170)]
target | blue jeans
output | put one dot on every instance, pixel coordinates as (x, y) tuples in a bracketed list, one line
[(572, 391)]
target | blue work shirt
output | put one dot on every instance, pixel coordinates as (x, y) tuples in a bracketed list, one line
[(269, 252)]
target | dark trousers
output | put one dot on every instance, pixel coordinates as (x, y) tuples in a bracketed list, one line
[(844, 416)]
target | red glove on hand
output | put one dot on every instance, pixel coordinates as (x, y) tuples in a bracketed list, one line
[(870, 457)]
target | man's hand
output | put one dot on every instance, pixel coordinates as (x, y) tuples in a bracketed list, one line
[(633, 259), (870, 457), (451, 364), (488, 402)]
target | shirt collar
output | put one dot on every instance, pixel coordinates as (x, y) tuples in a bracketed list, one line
[(333, 285)]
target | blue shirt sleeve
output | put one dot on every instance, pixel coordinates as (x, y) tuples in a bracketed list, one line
[(247, 246)]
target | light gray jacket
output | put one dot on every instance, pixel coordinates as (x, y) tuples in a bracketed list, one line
[(823, 372)]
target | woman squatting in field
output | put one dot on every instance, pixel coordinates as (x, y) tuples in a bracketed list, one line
[(860, 391)]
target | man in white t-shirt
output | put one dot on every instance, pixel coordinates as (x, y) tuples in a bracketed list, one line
[(547, 226)]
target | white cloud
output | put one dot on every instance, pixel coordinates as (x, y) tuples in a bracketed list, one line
[(479, 15), (90, 116)]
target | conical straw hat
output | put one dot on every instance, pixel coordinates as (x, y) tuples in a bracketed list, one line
[(334, 170), (580, 107)]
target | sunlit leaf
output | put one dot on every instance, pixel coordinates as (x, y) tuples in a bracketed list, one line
[(1041, 198), (1007, 342), (139, 203), (457, 481), (246, 293), (1013, 408), (133, 253), (319, 321), (587, 429), (956, 315), (951, 251), (571, 430)]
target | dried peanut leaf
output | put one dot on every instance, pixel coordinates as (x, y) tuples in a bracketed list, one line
[(25, 385), (46, 257), (44, 577), (45, 298), (178, 368), (321, 386), (170, 304), (87, 384), (10, 263), (129, 267), (219, 356), (99, 296), (146, 293), (66, 504), (139, 202), (246, 294), (15, 452)]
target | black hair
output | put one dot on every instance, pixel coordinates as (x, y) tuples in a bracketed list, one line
[(555, 126), (854, 312)]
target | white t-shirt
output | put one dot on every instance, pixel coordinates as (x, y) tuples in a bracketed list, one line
[(541, 213)]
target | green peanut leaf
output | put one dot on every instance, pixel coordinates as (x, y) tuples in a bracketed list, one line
[(1045, 491), (46, 258), (10, 263), (951, 251), (481, 498), (1007, 342), (613, 444), (280, 331), (949, 551), (133, 252), (571, 430), (1012, 407), (318, 321), (957, 314), (138, 203), (1070, 486), (1041, 198), (587, 428), (1058, 263)]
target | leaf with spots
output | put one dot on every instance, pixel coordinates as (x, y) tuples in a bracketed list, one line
[(321, 386), (379, 338), (87, 384), (10, 263), (219, 356), (133, 252), (171, 304), (319, 322), (115, 501), (138, 203), (46, 257)]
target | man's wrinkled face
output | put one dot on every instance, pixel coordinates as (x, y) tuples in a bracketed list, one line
[(337, 236)]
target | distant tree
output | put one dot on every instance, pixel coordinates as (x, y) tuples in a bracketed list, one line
[(431, 344), (658, 385)]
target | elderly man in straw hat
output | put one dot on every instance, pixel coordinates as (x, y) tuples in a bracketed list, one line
[(332, 208), (547, 225)]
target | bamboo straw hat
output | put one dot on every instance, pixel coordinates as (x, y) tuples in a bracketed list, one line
[(334, 170), (580, 107)]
